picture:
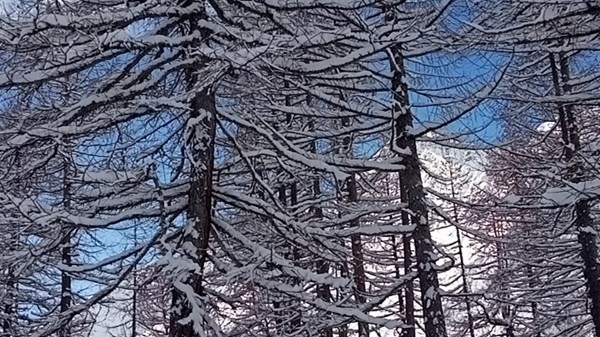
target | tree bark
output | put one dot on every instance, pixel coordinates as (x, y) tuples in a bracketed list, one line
[(582, 219), (66, 253), (405, 144), (295, 256), (397, 273), (358, 272), (357, 258), (409, 305), (409, 297), (200, 145), (343, 330), (134, 297), (8, 320)]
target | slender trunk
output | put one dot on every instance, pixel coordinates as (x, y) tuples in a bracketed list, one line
[(463, 273), (344, 272), (534, 306), (409, 304), (296, 322), (396, 257), (583, 221), (397, 273), (279, 325), (562, 119), (66, 253), (400, 101), (358, 258), (465, 289), (294, 254), (293, 318), (8, 322), (589, 254), (200, 144), (405, 144), (65, 281), (134, 272), (505, 311), (201, 147), (323, 290), (409, 296), (355, 240), (135, 292)]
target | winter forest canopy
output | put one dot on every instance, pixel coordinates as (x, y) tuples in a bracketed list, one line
[(314, 168)]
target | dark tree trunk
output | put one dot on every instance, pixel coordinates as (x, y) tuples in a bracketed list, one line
[(534, 307), (358, 272), (582, 219), (400, 101), (397, 273), (589, 254), (277, 305), (409, 297), (296, 322), (404, 143), (66, 254), (344, 272), (201, 145), (358, 258), (65, 282), (9, 308), (134, 296), (409, 304)]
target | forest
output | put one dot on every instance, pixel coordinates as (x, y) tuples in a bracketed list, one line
[(299, 168)]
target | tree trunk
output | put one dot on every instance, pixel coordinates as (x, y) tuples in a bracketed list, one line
[(66, 253), (583, 221), (200, 144), (323, 290), (397, 273), (589, 254), (358, 272), (344, 272), (463, 273), (279, 323), (134, 296), (409, 297), (534, 306), (297, 321), (405, 144), (8, 320), (357, 258), (502, 265)]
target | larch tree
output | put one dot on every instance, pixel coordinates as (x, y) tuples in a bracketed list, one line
[(260, 167)]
